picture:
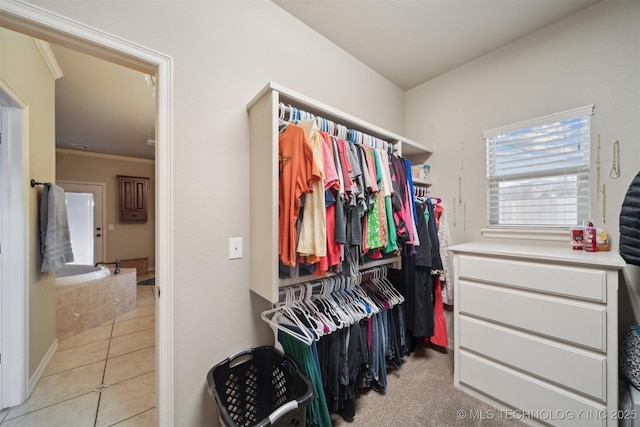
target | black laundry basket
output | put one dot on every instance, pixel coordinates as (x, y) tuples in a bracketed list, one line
[(260, 387)]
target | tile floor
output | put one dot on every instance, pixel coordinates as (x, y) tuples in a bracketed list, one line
[(104, 376)]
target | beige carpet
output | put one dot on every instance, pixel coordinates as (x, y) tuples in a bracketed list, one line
[(421, 393)]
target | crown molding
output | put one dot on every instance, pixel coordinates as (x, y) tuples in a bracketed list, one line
[(104, 156), (49, 58)]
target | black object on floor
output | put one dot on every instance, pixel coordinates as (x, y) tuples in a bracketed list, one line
[(151, 281)]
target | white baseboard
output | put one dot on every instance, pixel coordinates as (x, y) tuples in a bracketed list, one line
[(33, 381)]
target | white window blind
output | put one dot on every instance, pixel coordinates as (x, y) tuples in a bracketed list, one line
[(538, 171)]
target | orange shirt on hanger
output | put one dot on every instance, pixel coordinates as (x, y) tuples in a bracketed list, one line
[(298, 171)]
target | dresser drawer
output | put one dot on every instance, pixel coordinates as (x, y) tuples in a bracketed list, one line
[(567, 320), (554, 279), (531, 396), (579, 370)]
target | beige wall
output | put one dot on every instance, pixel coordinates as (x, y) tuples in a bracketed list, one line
[(224, 53), (589, 58), (126, 240), (30, 78), (592, 57)]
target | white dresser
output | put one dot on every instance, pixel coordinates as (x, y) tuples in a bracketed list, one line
[(536, 332)]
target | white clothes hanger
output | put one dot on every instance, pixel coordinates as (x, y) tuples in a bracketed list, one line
[(307, 311), (302, 314), (340, 303), (388, 286), (291, 114), (361, 293), (355, 308), (277, 321), (309, 301), (334, 308)]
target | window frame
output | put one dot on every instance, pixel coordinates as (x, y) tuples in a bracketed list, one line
[(526, 231)]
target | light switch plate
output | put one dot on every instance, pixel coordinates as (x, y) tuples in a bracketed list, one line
[(235, 247)]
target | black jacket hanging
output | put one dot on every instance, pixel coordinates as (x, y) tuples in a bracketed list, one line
[(630, 223)]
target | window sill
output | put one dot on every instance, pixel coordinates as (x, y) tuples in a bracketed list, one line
[(526, 234)]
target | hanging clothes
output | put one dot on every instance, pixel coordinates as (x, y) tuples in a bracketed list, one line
[(331, 187), (422, 280), (440, 336), (443, 239), (341, 203), (307, 359), (312, 240), (417, 278), (399, 200), (298, 171), (341, 360)]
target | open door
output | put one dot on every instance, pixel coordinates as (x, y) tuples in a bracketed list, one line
[(13, 237), (85, 209)]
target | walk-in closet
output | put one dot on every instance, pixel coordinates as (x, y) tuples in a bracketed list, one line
[(428, 212), (346, 245)]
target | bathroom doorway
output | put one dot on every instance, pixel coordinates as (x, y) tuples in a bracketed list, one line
[(36, 22)]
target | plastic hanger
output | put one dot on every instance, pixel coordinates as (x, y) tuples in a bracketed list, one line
[(275, 322), (356, 310), (291, 114), (360, 305), (324, 308), (336, 306), (303, 315), (305, 300), (341, 306), (389, 286), (356, 288)]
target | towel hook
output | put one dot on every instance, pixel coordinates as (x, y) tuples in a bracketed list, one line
[(615, 167)]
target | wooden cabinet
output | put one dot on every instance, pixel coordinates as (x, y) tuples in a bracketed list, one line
[(133, 198), (536, 331), (264, 168)]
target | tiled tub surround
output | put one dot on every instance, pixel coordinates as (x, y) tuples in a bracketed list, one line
[(85, 305)]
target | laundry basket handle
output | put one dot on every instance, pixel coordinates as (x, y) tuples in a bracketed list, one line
[(240, 353), (284, 409)]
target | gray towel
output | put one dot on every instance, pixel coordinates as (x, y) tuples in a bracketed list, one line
[(55, 237)]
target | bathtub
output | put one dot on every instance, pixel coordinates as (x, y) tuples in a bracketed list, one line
[(73, 274), (88, 296)]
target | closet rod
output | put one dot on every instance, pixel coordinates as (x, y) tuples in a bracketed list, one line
[(333, 128)]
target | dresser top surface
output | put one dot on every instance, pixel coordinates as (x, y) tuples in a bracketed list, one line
[(608, 259)]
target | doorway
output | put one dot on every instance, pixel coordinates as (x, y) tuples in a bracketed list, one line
[(86, 208), (34, 21)]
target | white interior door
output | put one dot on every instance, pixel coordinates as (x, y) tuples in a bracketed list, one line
[(86, 210), (1, 227), (13, 254)]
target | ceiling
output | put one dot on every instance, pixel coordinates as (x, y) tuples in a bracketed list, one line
[(103, 106), (412, 41), (111, 109)]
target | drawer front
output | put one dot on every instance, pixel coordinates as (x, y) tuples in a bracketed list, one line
[(555, 279), (548, 403), (569, 367), (571, 321)]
